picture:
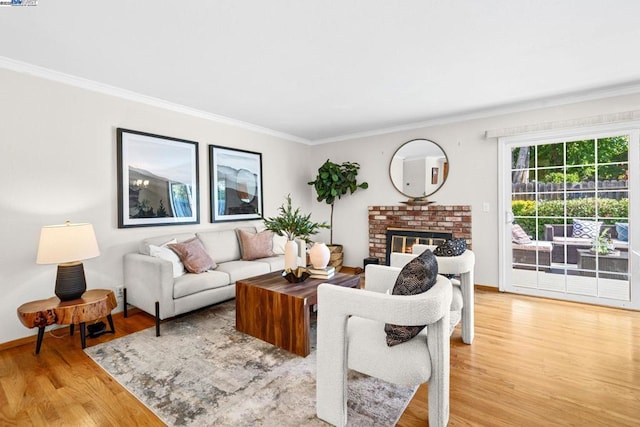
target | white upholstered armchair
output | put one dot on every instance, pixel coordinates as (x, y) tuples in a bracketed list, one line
[(351, 336)]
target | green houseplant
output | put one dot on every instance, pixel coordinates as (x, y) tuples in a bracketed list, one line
[(294, 225), (332, 182)]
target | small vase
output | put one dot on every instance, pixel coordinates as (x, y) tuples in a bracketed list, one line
[(319, 255), (290, 255)]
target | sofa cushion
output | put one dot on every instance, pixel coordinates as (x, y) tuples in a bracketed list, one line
[(165, 253), (275, 262), (255, 245), (193, 283), (417, 276), (222, 245), (193, 256), (278, 244), (622, 230), (238, 270), (586, 229)]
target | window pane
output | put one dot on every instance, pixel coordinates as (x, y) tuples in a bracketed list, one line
[(581, 152), (550, 155)]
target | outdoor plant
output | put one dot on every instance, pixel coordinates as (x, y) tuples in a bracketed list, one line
[(334, 181), (292, 223), (550, 210)]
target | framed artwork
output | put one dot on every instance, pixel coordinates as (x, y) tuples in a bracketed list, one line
[(157, 180), (236, 184)]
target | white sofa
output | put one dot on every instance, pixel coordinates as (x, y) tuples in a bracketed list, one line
[(150, 285)]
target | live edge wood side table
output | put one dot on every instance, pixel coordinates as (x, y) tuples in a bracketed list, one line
[(92, 305), (278, 312)]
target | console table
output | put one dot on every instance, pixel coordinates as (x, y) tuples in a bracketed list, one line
[(92, 305)]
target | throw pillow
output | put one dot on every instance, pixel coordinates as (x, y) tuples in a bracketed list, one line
[(451, 247), (416, 277), (586, 229), (163, 252), (255, 245), (622, 230), (278, 244), (518, 235), (193, 256)]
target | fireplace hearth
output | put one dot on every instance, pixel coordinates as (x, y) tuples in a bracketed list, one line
[(449, 221)]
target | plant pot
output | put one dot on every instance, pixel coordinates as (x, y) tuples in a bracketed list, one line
[(336, 256)]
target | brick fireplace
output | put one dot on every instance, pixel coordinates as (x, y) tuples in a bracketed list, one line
[(454, 219)]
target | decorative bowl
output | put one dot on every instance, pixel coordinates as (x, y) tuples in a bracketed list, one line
[(298, 275)]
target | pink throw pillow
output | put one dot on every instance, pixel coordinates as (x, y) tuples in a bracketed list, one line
[(256, 245), (193, 255)]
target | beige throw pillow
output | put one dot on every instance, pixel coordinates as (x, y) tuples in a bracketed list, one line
[(193, 256), (255, 245)]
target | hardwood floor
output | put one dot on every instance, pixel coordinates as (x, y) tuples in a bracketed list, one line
[(540, 362), (534, 362)]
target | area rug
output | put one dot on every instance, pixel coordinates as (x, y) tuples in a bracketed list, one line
[(202, 372)]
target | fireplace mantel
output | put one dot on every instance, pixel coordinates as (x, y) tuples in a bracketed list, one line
[(454, 219)]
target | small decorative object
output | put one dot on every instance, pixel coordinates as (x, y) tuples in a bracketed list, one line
[(319, 255), (293, 224), (296, 275), (418, 201), (67, 245)]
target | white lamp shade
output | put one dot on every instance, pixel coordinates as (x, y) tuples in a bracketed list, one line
[(67, 243)]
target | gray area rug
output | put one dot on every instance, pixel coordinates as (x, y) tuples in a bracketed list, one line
[(202, 372)]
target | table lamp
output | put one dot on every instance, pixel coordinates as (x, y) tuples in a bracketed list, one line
[(67, 245)]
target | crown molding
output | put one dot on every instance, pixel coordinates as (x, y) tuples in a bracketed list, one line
[(68, 79), (622, 89)]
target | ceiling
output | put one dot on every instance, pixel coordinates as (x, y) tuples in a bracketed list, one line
[(318, 71)]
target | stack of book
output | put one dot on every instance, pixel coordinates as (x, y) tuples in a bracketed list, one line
[(321, 273)]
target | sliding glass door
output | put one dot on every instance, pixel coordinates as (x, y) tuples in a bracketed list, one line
[(568, 216)]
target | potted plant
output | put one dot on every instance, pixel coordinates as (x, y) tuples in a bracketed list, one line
[(332, 182), (294, 225)]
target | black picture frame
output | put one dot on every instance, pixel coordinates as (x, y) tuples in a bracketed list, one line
[(158, 180), (235, 179)]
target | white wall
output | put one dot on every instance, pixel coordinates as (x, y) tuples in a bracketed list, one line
[(472, 179), (58, 163)]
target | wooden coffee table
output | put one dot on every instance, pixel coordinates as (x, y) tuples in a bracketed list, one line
[(276, 311)]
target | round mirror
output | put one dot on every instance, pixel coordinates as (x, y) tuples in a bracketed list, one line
[(419, 168)]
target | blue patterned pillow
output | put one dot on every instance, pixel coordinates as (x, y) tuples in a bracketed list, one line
[(622, 229), (586, 229)]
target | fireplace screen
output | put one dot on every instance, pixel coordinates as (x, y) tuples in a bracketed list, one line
[(402, 240)]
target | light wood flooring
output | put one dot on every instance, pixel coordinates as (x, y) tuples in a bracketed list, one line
[(534, 362)]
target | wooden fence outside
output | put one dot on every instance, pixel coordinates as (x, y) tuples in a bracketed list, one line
[(610, 189)]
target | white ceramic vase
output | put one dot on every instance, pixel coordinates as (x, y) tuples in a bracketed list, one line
[(291, 254), (319, 255)]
